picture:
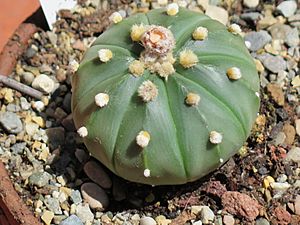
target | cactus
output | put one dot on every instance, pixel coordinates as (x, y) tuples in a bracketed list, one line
[(165, 97)]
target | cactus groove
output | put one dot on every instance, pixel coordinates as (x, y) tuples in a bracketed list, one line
[(155, 129)]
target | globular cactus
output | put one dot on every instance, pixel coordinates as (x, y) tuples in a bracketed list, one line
[(165, 97)]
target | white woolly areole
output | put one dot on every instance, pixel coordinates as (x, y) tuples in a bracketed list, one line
[(82, 131), (187, 58), (101, 99), (105, 55), (147, 173), (234, 73), (248, 44), (73, 66), (116, 17), (234, 28), (257, 94), (148, 91), (192, 99), (215, 137), (200, 33), (221, 160), (143, 138), (172, 9)]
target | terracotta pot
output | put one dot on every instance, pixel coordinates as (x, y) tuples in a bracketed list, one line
[(12, 209)]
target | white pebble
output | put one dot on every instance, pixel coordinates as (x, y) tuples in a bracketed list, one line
[(43, 83), (38, 105)]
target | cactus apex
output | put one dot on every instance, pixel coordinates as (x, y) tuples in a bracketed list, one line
[(187, 58), (158, 40), (234, 73), (82, 131), (172, 9), (116, 17), (192, 99), (148, 91), (143, 138), (215, 137), (200, 33), (137, 31), (146, 173), (136, 68), (101, 99), (105, 55), (234, 28)]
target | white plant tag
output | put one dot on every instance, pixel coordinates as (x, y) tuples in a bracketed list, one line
[(51, 8)]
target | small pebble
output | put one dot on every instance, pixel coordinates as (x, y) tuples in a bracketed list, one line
[(258, 39), (95, 196), (217, 13), (287, 8), (147, 221), (43, 83), (11, 122), (97, 174), (72, 220), (207, 215), (40, 179), (76, 197), (228, 220), (47, 217), (84, 213), (262, 221)]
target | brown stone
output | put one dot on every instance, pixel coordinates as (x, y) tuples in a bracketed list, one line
[(240, 205), (276, 93), (290, 133), (282, 216)]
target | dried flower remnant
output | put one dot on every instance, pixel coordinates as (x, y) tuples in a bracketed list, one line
[(136, 68), (215, 137), (105, 55), (187, 58), (158, 40), (116, 17), (148, 91), (143, 138), (234, 28), (82, 131), (137, 31), (200, 33), (192, 99), (172, 9), (101, 99), (234, 73)]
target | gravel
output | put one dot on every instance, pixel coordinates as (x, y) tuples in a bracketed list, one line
[(287, 8), (48, 163), (11, 122), (39, 179), (72, 220), (258, 39)]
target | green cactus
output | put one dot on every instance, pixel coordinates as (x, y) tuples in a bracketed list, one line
[(165, 97)]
